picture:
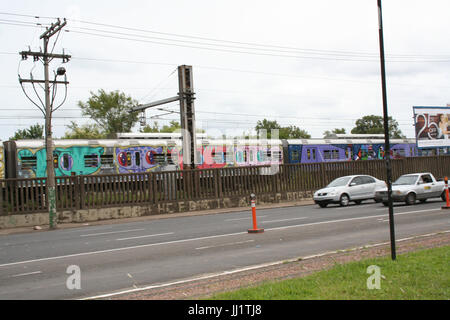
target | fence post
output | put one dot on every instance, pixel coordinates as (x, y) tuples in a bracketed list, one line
[(76, 193), (82, 192)]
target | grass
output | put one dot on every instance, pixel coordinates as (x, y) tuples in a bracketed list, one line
[(423, 274)]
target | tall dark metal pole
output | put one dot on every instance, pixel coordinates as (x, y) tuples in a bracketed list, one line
[(386, 134)]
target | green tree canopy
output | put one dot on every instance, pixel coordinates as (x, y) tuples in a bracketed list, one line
[(289, 132), (111, 111), (33, 132), (86, 131), (172, 127), (329, 133), (374, 124)]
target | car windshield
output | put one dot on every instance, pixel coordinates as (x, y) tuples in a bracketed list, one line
[(404, 180), (339, 182)]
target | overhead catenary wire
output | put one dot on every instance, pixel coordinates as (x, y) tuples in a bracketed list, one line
[(220, 44)]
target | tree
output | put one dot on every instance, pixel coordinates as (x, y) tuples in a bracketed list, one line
[(328, 133), (289, 132), (33, 132), (150, 129), (374, 124), (174, 126), (293, 132), (86, 131), (111, 111)]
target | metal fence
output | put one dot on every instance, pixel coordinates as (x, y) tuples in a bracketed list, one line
[(153, 188)]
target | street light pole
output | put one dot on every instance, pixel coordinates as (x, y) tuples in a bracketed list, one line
[(386, 133)]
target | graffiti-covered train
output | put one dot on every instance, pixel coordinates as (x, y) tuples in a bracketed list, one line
[(145, 153)]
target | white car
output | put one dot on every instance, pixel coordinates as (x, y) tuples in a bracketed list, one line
[(348, 188), (411, 187)]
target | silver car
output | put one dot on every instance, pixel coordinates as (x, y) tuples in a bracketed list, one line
[(348, 188)]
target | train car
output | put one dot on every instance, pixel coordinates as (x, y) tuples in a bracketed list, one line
[(328, 150), (217, 153), (27, 158)]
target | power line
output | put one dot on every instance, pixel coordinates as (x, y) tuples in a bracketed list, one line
[(317, 53)]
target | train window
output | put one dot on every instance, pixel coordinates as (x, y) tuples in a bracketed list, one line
[(128, 158), (228, 156), (65, 162), (217, 157), (277, 156), (28, 162), (171, 157), (295, 155), (159, 158), (137, 158), (106, 160), (91, 160), (245, 155), (314, 154), (335, 154), (308, 153), (399, 152)]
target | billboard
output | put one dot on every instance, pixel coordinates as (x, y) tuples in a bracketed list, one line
[(432, 125)]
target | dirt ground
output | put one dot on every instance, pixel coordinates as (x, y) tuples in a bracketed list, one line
[(300, 267)]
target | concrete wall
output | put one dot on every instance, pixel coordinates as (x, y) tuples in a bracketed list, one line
[(34, 219)]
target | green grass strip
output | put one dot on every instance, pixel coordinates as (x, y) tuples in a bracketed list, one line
[(419, 275)]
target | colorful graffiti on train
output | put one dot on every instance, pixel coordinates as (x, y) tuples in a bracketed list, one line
[(78, 160), (139, 159)]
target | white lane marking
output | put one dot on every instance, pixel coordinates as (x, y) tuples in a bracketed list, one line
[(25, 274), (355, 206), (349, 219), (224, 245), (236, 219), (201, 238), (111, 232), (291, 219), (119, 249), (146, 236), (258, 266)]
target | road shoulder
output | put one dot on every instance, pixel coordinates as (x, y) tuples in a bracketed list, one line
[(206, 285)]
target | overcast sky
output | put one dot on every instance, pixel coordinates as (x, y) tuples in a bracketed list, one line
[(312, 64)]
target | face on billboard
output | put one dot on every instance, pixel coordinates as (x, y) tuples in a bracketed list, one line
[(432, 126)]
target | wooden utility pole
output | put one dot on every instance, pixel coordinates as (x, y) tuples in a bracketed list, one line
[(48, 109)]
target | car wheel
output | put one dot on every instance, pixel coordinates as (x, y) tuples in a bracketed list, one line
[(443, 196), (410, 198), (385, 203), (322, 204), (344, 200)]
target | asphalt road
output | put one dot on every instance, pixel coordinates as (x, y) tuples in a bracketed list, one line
[(123, 256)]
